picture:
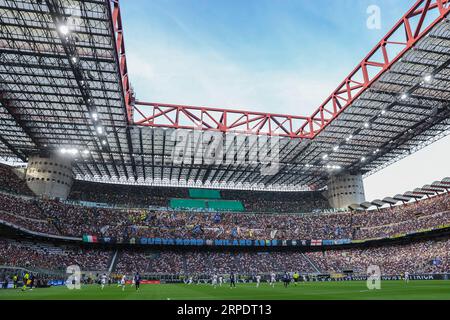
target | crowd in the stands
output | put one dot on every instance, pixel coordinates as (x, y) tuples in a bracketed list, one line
[(190, 262), (145, 196), (279, 202), (125, 196), (425, 214), (11, 182), (423, 257), (419, 257), (57, 218), (43, 257)]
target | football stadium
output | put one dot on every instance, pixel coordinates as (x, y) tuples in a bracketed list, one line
[(107, 197)]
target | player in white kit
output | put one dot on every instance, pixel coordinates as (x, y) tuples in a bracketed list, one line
[(407, 277), (272, 279), (103, 280), (258, 280), (220, 281), (123, 282), (214, 281)]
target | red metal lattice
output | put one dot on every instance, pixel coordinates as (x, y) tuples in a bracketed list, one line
[(415, 24)]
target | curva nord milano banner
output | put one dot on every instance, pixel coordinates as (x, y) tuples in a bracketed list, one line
[(216, 243)]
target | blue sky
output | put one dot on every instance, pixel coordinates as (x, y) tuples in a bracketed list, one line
[(283, 56), (271, 55)]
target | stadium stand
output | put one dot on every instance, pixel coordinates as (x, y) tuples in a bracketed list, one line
[(129, 196), (53, 217), (431, 256), (143, 197), (416, 258), (11, 182), (48, 257), (279, 202)]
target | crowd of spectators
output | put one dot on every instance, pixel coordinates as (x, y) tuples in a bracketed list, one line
[(29, 255), (145, 196), (11, 182), (58, 218), (422, 257), (129, 196), (195, 262), (63, 219), (425, 214), (419, 257), (280, 202), (26, 214)]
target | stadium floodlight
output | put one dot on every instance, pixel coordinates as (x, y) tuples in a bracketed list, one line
[(100, 130), (428, 78), (363, 159), (86, 152), (64, 30), (94, 116), (74, 59), (404, 96), (366, 125), (104, 142), (350, 137), (69, 151), (325, 157), (383, 112), (336, 148)]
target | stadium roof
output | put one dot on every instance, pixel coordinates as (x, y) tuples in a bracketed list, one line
[(437, 188), (64, 87)]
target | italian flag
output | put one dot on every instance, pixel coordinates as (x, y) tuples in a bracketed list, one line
[(90, 239)]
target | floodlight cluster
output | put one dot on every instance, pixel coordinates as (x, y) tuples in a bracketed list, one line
[(70, 39), (428, 78)]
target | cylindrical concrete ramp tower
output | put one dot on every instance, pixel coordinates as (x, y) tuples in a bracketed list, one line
[(50, 177), (345, 190)]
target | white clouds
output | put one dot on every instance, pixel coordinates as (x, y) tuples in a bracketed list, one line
[(178, 75), (424, 167)]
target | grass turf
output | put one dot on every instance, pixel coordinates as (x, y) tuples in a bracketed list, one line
[(390, 290)]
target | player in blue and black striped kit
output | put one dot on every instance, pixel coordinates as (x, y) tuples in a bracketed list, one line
[(232, 280), (137, 280)]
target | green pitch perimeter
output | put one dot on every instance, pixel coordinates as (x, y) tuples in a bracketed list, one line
[(390, 290)]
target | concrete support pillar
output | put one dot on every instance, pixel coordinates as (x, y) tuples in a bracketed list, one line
[(50, 177), (345, 190)]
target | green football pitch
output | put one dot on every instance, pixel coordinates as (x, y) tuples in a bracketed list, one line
[(390, 290)]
